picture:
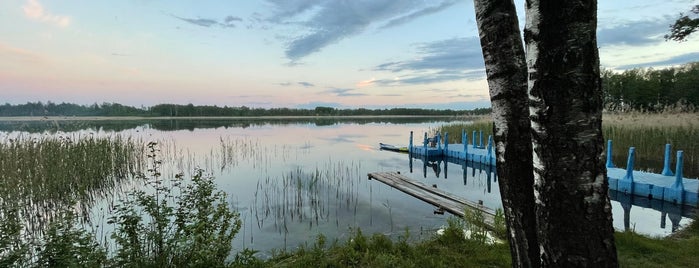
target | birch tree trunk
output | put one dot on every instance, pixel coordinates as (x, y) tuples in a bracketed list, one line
[(507, 80), (570, 187)]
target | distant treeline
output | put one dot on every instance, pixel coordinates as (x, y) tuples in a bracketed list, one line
[(671, 89), (189, 110)]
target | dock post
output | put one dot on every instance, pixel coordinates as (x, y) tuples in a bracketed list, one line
[(676, 192), (439, 141), (480, 144), (490, 150), (446, 144), (410, 144), (666, 164), (474, 139), (626, 184), (609, 154), (424, 145), (464, 139)]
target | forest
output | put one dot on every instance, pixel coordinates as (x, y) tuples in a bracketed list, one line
[(652, 90), (190, 110)]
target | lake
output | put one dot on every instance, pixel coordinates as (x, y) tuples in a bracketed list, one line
[(293, 179)]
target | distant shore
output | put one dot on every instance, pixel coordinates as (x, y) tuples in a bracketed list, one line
[(98, 118)]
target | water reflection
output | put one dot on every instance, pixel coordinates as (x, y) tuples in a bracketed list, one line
[(650, 215), (295, 179), (40, 125)]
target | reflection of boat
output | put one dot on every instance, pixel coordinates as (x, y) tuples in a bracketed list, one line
[(389, 147)]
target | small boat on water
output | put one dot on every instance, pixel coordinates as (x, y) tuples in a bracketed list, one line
[(392, 148)]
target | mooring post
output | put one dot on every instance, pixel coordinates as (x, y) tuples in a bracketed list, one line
[(410, 144), (464, 139), (679, 185), (626, 184), (424, 144), (490, 150), (446, 144), (474, 139), (480, 144), (438, 141), (666, 164), (609, 154)]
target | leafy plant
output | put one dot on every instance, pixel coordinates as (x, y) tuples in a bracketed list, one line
[(180, 224)]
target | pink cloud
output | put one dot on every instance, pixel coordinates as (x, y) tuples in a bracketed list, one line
[(34, 10)]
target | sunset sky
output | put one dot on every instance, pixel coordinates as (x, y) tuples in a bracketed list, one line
[(282, 53)]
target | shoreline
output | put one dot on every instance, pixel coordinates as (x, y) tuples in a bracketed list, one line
[(101, 118)]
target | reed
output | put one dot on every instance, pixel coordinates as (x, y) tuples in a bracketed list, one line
[(44, 175), (648, 133)]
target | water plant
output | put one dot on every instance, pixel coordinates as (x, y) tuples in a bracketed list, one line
[(175, 224)]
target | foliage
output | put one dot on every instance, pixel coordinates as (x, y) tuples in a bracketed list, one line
[(65, 245), (176, 225), (448, 250), (662, 90), (684, 26), (13, 246)]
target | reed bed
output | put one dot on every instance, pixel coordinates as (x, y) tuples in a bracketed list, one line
[(308, 197), (648, 133), (42, 176)]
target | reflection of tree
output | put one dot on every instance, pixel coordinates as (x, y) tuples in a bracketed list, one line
[(37, 126)]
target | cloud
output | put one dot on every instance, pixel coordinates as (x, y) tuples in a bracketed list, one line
[(305, 84), (344, 92), (440, 61), (19, 54), (409, 17), (451, 54), (676, 60), (320, 23), (35, 10), (366, 83), (301, 83), (227, 22), (635, 33)]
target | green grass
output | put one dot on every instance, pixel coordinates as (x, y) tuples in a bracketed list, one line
[(679, 250)]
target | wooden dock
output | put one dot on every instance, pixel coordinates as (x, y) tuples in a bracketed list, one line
[(443, 200)]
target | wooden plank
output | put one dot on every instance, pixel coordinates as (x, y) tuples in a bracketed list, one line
[(436, 197)]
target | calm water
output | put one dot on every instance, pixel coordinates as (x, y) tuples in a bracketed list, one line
[(294, 179)]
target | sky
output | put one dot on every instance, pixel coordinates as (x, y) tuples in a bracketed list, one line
[(285, 53)]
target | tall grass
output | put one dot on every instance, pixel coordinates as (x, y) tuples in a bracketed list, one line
[(42, 175), (648, 133)]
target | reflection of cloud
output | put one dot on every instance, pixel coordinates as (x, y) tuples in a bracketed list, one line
[(344, 92), (227, 22), (676, 60), (320, 23), (34, 10)]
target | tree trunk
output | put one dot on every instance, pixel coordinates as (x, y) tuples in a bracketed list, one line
[(565, 97), (507, 79)]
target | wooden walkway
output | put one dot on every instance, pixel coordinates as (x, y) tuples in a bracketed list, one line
[(443, 200)]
